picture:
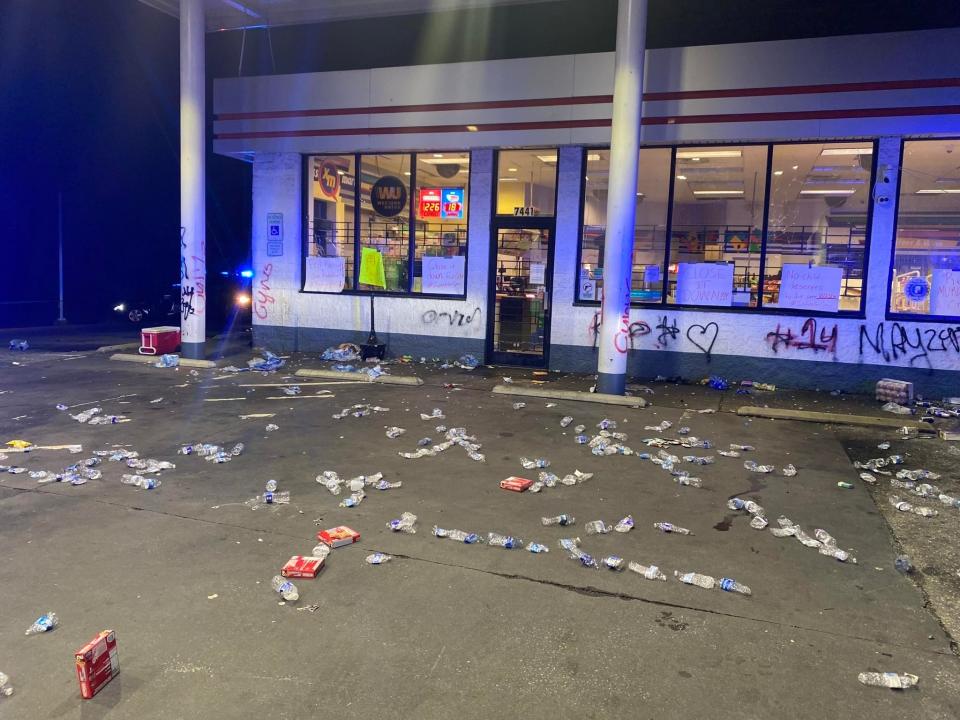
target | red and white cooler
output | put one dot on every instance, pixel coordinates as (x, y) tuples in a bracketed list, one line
[(159, 340)]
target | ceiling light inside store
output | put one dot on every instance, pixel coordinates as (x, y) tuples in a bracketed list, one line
[(778, 172), (833, 181), (471, 128), (847, 151), (718, 193), (443, 160), (508, 179), (700, 154), (547, 158), (438, 154), (593, 157), (406, 172), (938, 191), (681, 177), (795, 167), (511, 169), (827, 192)]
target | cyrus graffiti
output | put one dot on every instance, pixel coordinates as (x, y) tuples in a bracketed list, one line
[(810, 337), (454, 319), (893, 341), (264, 295)]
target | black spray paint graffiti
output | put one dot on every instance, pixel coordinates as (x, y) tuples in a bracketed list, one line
[(456, 318), (625, 335), (667, 331), (806, 340), (895, 341), (184, 275), (703, 337), (186, 301)]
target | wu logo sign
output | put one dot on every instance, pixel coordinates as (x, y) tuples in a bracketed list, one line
[(388, 196)]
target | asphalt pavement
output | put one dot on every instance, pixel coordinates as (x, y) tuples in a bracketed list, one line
[(182, 573)]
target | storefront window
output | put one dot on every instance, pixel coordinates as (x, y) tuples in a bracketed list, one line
[(717, 225), (440, 235), (527, 182), (649, 240), (925, 277), (817, 226), (385, 221), (330, 216)]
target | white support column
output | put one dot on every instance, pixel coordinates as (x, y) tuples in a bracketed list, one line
[(622, 196), (193, 262)]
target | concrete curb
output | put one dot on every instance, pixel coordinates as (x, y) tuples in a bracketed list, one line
[(336, 375), (832, 418), (184, 362), (121, 346), (578, 395)]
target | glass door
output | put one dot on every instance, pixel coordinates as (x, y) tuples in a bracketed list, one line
[(521, 284)]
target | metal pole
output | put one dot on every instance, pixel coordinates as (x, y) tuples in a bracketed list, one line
[(193, 267), (622, 196), (61, 318)]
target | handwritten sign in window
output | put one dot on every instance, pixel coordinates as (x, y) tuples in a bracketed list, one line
[(705, 284), (810, 288), (945, 292), (325, 274), (443, 275)]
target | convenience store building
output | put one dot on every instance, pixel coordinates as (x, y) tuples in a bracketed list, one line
[(797, 209)]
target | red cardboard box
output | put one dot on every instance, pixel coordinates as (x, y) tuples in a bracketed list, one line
[(302, 566), (517, 484), (338, 536), (97, 663)]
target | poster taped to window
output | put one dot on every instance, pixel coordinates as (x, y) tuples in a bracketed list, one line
[(443, 275), (945, 292), (325, 274), (810, 288), (705, 284)]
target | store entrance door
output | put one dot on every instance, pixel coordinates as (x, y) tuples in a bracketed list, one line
[(521, 281)]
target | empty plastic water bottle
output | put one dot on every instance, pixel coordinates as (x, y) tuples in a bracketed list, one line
[(505, 541), (731, 585), (536, 547), (458, 535), (558, 520), (903, 564), (277, 498), (789, 471), (44, 623), (378, 558), (406, 523), (167, 361), (353, 500), (288, 591), (237, 449), (394, 432), (624, 524), (322, 550), (271, 427), (6, 689), (597, 527), (585, 559), (565, 421), (753, 467), (533, 464), (613, 562), (895, 681), (519, 405), (271, 486), (671, 528), (140, 481), (650, 572), (569, 544), (581, 439), (691, 578)]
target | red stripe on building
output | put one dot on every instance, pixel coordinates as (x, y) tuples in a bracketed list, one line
[(601, 99), (605, 122)]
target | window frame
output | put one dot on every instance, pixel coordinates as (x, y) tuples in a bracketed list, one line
[(411, 227), (909, 317), (664, 305)]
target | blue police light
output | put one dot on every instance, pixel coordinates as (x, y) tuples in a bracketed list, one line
[(246, 273)]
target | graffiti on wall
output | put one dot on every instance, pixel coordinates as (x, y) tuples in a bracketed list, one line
[(263, 298), (450, 319), (193, 292), (626, 334), (668, 332), (811, 337), (895, 341), (702, 337)]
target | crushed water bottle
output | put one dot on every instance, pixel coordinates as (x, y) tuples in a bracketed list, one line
[(353, 500), (597, 527), (384, 485), (624, 524), (330, 480), (458, 535), (895, 681), (321, 550), (731, 585), (579, 429), (558, 520), (139, 481), (394, 432), (575, 478), (613, 562), (46, 622), (585, 559), (699, 460), (6, 689), (581, 439), (692, 578), (754, 467), (168, 361), (789, 471), (519, 405), (505, 541), (671, 528), (271, 486), (277, 498), (378, 558), (687, 480), (536, 547), (607, 424), (650, 572), (288, 591), (565, 421), (406, 523), (529, 464)]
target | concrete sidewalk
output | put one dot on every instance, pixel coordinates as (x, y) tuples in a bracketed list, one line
[(445, 628)]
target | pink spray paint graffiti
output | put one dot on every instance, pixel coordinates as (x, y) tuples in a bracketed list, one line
[(263, 297)]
